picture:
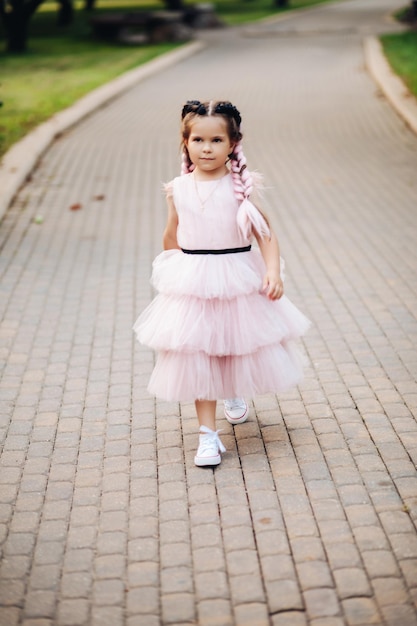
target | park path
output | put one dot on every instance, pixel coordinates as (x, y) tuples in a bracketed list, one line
[(310, 520)]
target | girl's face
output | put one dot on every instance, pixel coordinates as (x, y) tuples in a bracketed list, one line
[(209, 145)]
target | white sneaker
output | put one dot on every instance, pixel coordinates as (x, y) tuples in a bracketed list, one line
[(236, 410), (209, 449)]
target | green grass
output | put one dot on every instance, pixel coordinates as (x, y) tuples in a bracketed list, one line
[(401, 52), (54, 75), (63, 64)]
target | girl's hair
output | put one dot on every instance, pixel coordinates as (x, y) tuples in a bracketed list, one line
[(242, 179)]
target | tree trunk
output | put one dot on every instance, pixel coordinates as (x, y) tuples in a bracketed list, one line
[(174, 5), (89, 5), (16, 26), (17, 39), (16, 22), (65, 13), (281, 4)]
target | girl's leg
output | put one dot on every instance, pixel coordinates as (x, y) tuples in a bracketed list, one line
[(206, 413)]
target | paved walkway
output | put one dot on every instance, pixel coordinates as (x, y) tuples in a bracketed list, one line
[(311, 517)]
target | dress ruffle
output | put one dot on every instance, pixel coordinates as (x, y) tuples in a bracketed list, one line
[(218, 327), (187, 377)]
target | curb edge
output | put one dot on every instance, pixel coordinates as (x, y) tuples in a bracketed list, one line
[(393, 88)]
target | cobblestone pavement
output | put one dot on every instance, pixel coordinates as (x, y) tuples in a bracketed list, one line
[(311, 517)]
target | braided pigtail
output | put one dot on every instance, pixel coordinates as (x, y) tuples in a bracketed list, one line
[(186, 165), (242, 178)]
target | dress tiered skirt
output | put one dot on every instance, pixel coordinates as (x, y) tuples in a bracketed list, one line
[(215, 333)]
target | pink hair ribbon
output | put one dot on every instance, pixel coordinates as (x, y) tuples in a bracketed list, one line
[(249, 219)]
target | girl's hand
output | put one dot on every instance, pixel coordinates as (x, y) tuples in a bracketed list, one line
[(273, 286), (272, 283)]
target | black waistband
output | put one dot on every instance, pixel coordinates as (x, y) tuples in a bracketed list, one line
[(224, 251)]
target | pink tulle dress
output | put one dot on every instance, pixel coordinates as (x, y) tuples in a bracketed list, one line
[(215, 333)]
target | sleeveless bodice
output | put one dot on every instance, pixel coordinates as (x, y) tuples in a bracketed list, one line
[(212, 226)]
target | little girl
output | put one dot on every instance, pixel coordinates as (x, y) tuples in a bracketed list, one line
[(220, 323)]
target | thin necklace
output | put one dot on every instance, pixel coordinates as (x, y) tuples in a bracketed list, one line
[(204, 202)]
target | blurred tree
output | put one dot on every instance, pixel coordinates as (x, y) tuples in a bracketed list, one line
[(16, 15), (174, 5), (65, 12)]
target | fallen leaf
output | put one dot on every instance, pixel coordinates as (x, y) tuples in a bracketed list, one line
[(75, 207)]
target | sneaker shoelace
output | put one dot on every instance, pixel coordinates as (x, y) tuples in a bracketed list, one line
[(235, 403), (210, 437)]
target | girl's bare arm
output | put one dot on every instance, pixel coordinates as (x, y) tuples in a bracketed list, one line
[(272, 284)]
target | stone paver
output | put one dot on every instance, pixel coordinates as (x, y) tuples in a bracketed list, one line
[(311, 518)]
